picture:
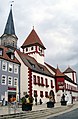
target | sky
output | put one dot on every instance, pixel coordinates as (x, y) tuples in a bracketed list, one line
[(56, 23)]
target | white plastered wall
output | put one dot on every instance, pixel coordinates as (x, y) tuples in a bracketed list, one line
[(23, 76), (41, 88)]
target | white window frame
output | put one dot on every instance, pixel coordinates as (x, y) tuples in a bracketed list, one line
[(1, 52), (4, 63), (10, 65), (15, 81), (15, 67), (2, 79), (11, 80)]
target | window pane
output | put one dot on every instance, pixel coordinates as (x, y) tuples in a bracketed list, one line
[(15, 69), (10, 67), (4, 66), (15, 81), (9, 80), (3, 80)]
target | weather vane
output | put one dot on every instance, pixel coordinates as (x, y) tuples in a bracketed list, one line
[(11, 2)]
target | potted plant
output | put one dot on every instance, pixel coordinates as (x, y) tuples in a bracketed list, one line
[(27, 102), (51, 102)]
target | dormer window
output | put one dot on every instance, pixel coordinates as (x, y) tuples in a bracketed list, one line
[(1, 52), (33, 65), (42, 69), (12, 56)]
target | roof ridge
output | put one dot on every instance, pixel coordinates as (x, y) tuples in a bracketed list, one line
[(9, 28)]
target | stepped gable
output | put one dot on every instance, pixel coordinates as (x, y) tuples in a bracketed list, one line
[(33, 39), (33, 64), (69, 70), (5, 55)]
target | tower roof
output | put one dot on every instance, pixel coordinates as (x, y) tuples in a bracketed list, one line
[(9, 28), (69, 70), (33, 39), (59, 73)]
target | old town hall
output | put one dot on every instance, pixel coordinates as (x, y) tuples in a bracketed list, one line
[(25, 71)]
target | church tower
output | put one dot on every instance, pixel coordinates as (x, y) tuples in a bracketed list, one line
[(9, 38), (34, 47)]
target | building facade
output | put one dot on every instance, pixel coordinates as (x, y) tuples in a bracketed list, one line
[(9, 75), (9, 65), (35, 81)]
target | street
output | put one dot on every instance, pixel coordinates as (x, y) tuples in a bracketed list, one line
[(69, 115)]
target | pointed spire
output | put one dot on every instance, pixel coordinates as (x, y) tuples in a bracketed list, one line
[(9, 28), (57, 66)]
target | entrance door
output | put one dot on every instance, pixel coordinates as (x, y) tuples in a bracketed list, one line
[(51, 96)]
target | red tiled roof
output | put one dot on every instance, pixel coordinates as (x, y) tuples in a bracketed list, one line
[(30, 61), (52, 68), (69, 70), (6, 57), (33, 39), (58, 72)]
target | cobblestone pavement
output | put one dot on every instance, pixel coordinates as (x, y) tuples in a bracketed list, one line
[(10, 110)]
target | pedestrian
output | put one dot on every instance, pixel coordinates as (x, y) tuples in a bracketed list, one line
[(63, 98)]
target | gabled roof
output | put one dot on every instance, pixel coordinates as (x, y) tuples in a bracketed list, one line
[(69, 79), (33, 39), (5, 55), (34, 65), (9, 28), (59, 73), (69, 70), (52, 68)]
